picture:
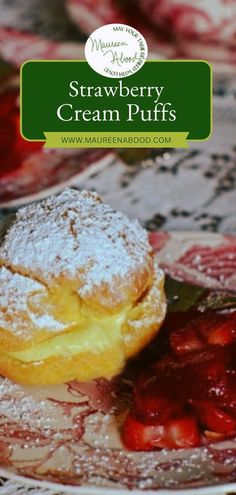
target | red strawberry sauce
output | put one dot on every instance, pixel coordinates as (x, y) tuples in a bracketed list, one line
[(187, 397)]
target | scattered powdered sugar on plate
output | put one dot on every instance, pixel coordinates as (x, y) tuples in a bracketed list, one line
[(74, 236), (18, 314), (19, 406)]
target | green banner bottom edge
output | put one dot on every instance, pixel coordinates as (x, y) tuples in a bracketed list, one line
[(116, 139)]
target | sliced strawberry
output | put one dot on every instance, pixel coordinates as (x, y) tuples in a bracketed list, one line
[(137, 436), (185, 340), (222, 331), (182, 433), (213, 418), (211, 329), (175, 434)]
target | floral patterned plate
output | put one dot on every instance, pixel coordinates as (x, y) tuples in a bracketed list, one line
[(70, 434)]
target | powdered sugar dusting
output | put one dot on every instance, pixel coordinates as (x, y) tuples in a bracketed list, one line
[(75, 236), (17, 405), (16, 313)]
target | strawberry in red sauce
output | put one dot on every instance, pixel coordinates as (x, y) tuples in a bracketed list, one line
[(179, 433), (206, 329), (188, 397)]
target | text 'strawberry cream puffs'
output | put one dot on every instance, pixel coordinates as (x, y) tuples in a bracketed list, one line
[(80, 291)]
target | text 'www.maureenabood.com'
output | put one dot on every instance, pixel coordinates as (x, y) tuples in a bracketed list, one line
[(115, 140)]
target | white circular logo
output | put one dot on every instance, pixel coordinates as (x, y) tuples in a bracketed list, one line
[(116, 50)]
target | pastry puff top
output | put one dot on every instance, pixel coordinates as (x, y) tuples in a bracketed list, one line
[(74, 241)]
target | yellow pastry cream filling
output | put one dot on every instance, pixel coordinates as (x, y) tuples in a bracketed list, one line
[(83, 332), (97, 339), (91, 335)]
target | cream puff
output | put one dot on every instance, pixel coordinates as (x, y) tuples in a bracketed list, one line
[(80, 291)]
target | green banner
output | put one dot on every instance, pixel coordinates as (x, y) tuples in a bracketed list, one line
[(116, 140), (160, 104)]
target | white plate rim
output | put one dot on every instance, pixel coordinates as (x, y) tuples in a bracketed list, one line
[(76, 179), (94, 490)]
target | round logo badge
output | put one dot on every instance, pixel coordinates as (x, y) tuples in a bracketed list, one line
[(116, 50)]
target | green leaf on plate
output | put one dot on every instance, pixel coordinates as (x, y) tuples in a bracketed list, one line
[(182, 296)]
